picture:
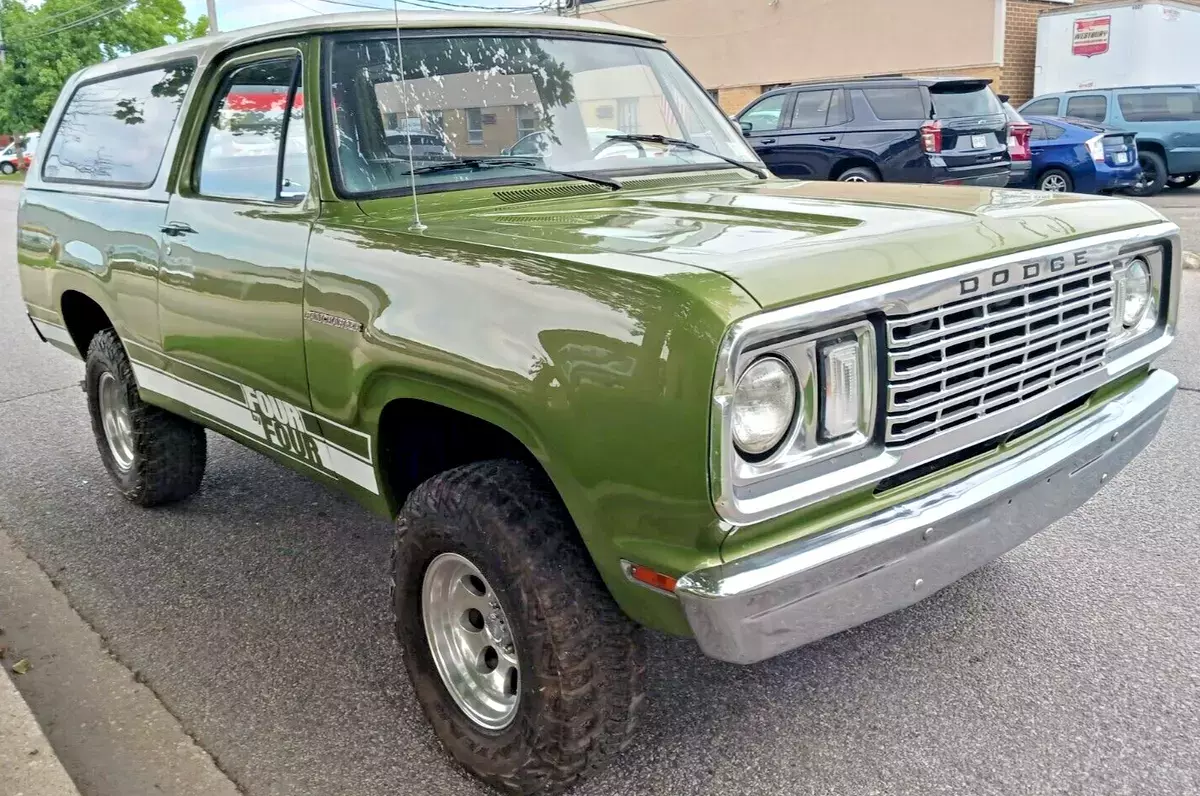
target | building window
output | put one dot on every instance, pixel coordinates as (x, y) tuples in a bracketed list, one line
[(627, 115), (474, 126), (527, 121)]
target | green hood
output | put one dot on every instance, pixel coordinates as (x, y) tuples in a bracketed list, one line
[(785, 242)]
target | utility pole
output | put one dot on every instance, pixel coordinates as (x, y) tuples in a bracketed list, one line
[(212, 17)]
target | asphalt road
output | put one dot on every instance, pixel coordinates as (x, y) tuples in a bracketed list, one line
[(258, 613)]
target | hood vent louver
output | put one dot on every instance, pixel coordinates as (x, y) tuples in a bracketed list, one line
[(565, 191), (539, 193)]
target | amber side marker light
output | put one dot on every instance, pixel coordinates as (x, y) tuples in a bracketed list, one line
[(655, 580)]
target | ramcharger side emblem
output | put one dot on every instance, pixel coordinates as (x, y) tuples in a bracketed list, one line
[(336, 321)]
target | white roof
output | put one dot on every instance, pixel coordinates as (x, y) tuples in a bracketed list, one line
[(209, 47)]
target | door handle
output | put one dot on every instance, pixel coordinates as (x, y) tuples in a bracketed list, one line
[(176, 228), (827, 138), (767, 141)]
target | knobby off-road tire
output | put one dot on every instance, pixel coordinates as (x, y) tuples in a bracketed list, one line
[(165, 453), (582, 662)]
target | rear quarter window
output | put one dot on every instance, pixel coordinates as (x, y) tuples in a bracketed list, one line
[(954, 101), (1160, 106), (1043, 107), (1093, 108), (114, 131), (894, 104)]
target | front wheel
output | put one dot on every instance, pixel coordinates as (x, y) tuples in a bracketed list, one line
[(1055, 181), (528, 671), (1181, 181), (154, 456), (1154, 174)]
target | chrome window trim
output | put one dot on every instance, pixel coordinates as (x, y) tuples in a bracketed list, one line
[(780, 491)]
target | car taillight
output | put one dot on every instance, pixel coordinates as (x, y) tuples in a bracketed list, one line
[(931, 136), (1095, 147), (1018, 141)]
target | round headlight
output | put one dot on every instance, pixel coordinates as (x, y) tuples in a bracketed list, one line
[(1137, 292), (764, 403)]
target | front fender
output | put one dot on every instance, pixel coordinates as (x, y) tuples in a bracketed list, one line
[(602, 370)]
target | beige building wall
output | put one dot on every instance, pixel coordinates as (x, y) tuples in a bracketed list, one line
[(739, 46)]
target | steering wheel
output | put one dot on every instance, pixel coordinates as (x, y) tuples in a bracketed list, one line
[(613, 141)]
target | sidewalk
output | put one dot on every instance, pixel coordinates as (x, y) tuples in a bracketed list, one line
[(28, 765), (109, 730)]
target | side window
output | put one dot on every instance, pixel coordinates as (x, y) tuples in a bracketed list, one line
[(115, 131), (1043, 107), (765, 114), (1093, 107), (295, 175), (837, 108), (251, 119), (812, 108), (1160, 106), (1053, 131), (894, 104)]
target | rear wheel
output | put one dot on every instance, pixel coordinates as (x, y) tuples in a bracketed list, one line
[(153, 456), (1181, 181), (1154, 174), (859, 174), (528, 671), (7, 168), (1055, 181)]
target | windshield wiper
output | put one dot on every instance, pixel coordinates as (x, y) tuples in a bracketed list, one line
[(521, 163), (680, 143)]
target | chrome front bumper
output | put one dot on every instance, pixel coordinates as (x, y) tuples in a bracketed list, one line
[(794, 594)]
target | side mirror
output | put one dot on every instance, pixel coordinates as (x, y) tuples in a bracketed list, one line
[(746, 127), (506, 151)]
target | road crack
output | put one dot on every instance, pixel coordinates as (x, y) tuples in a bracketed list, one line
[(36, 394)]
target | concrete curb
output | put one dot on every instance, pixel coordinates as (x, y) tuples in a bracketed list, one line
[(28, 764), (1191, 261)]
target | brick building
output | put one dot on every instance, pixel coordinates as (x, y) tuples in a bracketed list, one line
[(738, 48)]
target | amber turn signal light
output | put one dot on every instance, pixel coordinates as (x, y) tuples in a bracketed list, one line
[(651, 578)]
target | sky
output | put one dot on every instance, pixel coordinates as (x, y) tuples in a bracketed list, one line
[(233, 14)]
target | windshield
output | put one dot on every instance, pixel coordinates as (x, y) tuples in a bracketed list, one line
[(553, 102)]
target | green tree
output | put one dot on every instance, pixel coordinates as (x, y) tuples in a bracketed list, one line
[(45, 44)]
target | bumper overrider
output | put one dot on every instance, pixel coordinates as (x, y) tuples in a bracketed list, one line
[(797, 593)]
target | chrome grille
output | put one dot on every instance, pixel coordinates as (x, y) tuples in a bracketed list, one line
[(972, 357)]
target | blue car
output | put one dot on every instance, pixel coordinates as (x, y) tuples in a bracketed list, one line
[(1077, 155), (1166, 120)]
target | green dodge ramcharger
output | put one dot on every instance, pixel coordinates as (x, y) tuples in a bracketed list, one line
[(517, 283)]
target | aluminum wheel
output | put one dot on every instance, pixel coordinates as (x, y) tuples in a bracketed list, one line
[(114, 414), (471, 641), (854, 178), (1054, 183)]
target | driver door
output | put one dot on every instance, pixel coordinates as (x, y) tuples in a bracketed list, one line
[(232, 263), (767, 118)]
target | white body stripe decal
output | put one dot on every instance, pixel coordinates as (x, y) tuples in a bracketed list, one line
[(265, 418), (52, 332), (239, 385)]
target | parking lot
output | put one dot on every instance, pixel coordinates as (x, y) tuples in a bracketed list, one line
[(257, 612)]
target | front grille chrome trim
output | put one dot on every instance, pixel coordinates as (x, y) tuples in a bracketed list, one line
[(743, 496), (1013, 343)]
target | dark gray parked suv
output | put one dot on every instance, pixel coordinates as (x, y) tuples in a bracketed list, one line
[(895, 129)]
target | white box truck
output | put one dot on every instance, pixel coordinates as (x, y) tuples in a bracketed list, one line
[(1103, 45)]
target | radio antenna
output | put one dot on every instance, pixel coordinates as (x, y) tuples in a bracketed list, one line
[(416, 225)]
